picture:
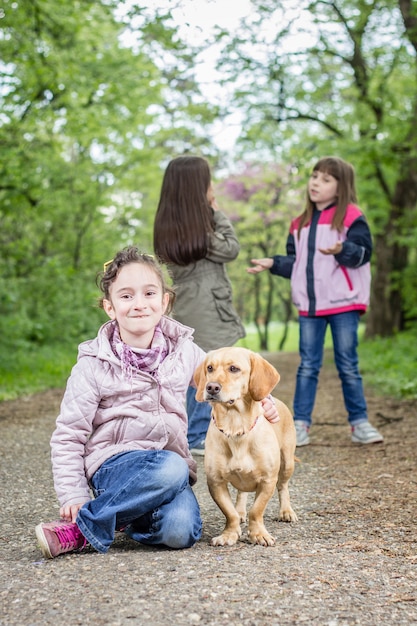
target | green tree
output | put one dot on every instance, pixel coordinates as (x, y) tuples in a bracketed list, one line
[(339, 77), (88, 117)]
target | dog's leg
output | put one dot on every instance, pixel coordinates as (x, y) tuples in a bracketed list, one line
[(257, 531), (232, 531), (286, 512), (240, 506)]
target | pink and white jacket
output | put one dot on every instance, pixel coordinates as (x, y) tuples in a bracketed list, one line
[(327, 284), (104, 413)]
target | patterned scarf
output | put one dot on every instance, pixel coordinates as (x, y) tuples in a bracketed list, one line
[(134, 359)]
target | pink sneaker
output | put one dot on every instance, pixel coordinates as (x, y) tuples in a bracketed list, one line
[(59, 537)]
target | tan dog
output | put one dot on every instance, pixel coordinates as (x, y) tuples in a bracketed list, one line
[(242, 448)]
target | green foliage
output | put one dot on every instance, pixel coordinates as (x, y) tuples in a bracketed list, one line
[(277, 331), (86, 122), (390, 364), (35, 369)]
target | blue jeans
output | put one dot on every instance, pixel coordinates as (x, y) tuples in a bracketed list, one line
[(344, 329), (199, 415), (147, 493)]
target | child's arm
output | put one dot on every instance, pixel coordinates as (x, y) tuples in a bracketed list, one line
[(280, 264), (223, 245), (73, 429)]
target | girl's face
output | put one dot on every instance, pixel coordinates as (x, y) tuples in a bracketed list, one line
[(137, 302), (322, 189)]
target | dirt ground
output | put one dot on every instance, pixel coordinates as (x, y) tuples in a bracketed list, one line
[(350, 559)]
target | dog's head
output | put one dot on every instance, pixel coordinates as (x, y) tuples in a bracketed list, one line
[(229, 374)]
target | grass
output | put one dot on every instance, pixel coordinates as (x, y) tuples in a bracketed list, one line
[(251, 341), (35, 369), (388, 365)]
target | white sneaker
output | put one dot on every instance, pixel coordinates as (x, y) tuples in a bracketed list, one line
[(301, 430), (364, 432), (199, 449)]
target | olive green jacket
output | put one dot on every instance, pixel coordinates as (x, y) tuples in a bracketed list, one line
[(204, 292)]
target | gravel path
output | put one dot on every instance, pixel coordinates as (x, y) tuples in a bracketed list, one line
[(350, 560)]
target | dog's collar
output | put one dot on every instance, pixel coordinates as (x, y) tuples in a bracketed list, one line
[(222, 431)]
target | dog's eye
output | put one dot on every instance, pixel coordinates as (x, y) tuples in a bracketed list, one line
[(234, 369), (209, 368)]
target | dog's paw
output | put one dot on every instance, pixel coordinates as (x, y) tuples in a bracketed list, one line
[(261, 538), (288, 515), (226, 539)]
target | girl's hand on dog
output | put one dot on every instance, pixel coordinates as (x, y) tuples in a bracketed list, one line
[(270, 410)]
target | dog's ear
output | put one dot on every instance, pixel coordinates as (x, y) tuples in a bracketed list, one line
[(200, 380), (263, 377)]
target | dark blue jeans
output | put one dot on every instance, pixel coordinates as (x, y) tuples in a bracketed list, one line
[(147, 493), (199, 415), (344, 329)]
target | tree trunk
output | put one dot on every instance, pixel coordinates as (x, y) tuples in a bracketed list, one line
[(384, 317), (386, 314)]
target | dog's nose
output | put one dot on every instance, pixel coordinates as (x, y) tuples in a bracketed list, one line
[(213, 388)]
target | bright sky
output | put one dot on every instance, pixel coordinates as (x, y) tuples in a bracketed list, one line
[(197, 17), (196, 20)]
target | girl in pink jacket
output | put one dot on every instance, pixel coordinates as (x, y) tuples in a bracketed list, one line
[(329, 247), (122, 430), (121, 435)]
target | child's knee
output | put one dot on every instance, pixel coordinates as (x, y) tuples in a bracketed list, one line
[(182, 524), (183, 530), (175, 470)]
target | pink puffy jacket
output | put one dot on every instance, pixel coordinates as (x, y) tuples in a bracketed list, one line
[(103, 413), (327, 284)]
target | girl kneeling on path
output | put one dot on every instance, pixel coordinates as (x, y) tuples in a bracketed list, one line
[(122, 430), (329, 247)]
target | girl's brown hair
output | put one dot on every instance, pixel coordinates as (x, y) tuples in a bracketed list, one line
[(128, 255), (344, 173), (184, 218)]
